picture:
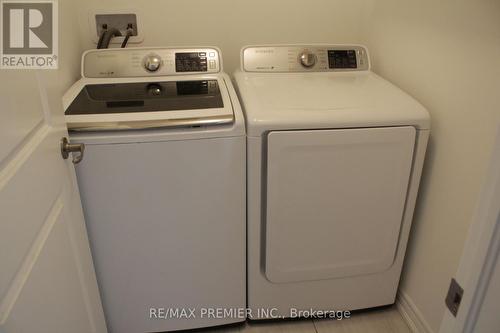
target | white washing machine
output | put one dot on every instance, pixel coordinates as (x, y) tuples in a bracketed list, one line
[(162, 183), (334, 155)]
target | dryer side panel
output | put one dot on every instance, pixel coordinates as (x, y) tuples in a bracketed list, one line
[(335, 201)]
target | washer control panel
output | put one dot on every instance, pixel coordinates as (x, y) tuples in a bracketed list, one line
[(305, 58), (144, 62)]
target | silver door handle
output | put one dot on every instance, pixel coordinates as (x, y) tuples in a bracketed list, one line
[(67, 148)]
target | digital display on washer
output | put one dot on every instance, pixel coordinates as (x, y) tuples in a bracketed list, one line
[(191, 62), (342, 59), (147, 97)]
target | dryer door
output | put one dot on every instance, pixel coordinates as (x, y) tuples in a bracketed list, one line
[(335, 201)]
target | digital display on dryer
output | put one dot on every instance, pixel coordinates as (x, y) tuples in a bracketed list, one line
[(339, 59)]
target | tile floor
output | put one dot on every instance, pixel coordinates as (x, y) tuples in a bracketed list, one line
[(381, 320)]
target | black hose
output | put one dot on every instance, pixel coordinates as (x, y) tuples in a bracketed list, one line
[(101, 37), (127, 36), (106, 37)]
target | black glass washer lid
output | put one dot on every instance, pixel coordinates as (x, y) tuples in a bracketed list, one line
[(146, 97)]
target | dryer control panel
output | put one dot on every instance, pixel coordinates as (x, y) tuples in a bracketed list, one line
[(145, 62), (305, 58)]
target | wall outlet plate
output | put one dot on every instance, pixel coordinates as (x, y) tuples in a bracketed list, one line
[(454, 297), (118, 19)]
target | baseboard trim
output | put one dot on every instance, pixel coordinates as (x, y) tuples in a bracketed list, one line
[(411, 315)]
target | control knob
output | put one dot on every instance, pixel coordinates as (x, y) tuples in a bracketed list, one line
[(307, 58), (152, 62), (154, 89)]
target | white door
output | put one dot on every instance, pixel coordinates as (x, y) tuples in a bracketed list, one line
[(477, 309), (47, 280), (335, 201)]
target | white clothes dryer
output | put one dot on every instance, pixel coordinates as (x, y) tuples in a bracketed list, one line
[(334, 155)]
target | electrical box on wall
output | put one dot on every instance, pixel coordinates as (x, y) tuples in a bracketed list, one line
[(123, 20)]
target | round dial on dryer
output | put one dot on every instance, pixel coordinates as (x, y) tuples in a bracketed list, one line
[(307, 58), (152, 62)]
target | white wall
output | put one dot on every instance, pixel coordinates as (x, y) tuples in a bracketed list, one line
[(231, 24), (447, 55), (56, 82)]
